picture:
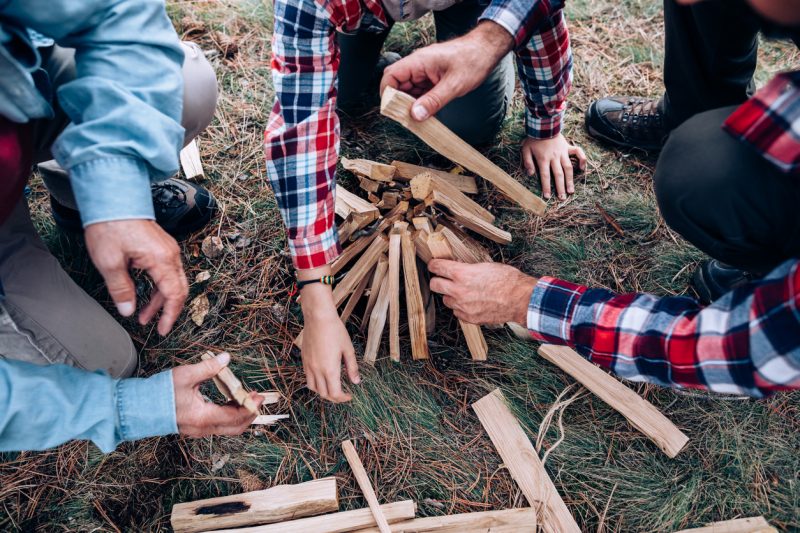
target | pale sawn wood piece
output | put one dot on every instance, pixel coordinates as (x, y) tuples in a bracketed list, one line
[(356, 296), (232, 388), (422, 224), (377, 323), (397, 106), (284, 502), (266, 420), (476, 342), (340, 522), (361, 244), (424, 184), (504, 521), (375, 287), (348, 203), (191, 163), (394, 290), (370, 169), (522, 461), (366, 486), (421, 245), (415, 307), (753, 524), (639, 412), (407, 171), (361, 268), (270, 397), (463, 245)]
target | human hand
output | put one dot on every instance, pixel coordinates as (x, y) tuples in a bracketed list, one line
[(117, 246), (552, 157), (441, 72), (325, 344), (198, 418), (483, 293)]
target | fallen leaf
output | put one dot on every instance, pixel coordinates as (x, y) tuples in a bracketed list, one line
[(205, 275), (198, 309), (212, 246)]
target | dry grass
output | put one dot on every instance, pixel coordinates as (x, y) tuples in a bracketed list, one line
[(412, 421)]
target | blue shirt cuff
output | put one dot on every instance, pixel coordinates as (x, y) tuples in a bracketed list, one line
[(146, 407), (113, 188)]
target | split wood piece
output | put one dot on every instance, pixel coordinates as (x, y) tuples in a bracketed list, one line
[(422, 223), (369, 185), (366, 487), (523, 463), (352, 224), (190, 160), (421, 245), (505, 521), (427, 297), (407, 172), (230, 387), (389, 199), (348, 203), (341, 522), (377, 323), (423, 185), (463, 245), (397, 106), (361, 268), (284, 502), (476, 342), (266, 420), (639, 412), (394, 290), (375, 286), (356, 296), (270, 397), (753, 524), (361, 244), (415, 307), (370, 169)]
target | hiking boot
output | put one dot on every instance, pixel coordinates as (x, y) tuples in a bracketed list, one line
[(181, 208), (713, 279), (627, 121)]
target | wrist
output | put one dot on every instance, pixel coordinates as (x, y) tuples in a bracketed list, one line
[(317, 301), (524, 294), (494, 40)]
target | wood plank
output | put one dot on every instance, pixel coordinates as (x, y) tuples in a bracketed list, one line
[(356, 295), (476, 342), (377, 323), (523, 463), (361, 268), (397, 106), (753, 524), (639, 412), (284, 502), (347, 203), (366, 487), (394, 290), (341, 522), (415, 307), (407, 171), (504, 521), (191, 163), (375, 286), (266, 420), (231, 387), (424, 184), (370, 169)]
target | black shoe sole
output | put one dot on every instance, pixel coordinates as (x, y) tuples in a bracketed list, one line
[(615, 142)]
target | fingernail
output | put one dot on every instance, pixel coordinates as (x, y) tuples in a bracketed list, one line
[(126, 308), (224, 358), (419, 112), (546, 196)]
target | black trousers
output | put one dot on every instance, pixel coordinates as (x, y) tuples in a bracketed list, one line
[(719, 193)]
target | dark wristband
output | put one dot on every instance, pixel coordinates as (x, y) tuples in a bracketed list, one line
[(325, 280)]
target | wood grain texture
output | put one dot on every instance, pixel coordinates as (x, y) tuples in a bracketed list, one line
[(415, 307), (366, 486), (375, 286), (407, 171), (370, 169), (361, 268), (377, 323), (503, 521), (362, 243), (231, 387), (523, 463), (341, 522), (348, 203), (394, 291), (465, 248), (753, 524), (284, 502), (397, 106), (426, 183), (639, 412), (191, 163), (356, 295)]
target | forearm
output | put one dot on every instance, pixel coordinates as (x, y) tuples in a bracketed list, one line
[(44, 406)]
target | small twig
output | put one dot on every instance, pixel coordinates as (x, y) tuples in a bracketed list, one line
[(610, 220)]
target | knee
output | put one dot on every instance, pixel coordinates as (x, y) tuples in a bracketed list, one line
[(122, 358), (199, 93)]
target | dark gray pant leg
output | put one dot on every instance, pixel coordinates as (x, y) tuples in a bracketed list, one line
[(359, 53), (726, 199)]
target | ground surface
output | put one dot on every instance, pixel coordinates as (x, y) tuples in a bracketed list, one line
[(413, 425)]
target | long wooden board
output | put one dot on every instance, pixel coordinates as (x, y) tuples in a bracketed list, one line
[(397, 106), (415, 308), (284, 502), (753, 524), (341, 522), (395, 240), (523, 463), (639, 412), (504, 521), (366, 487)]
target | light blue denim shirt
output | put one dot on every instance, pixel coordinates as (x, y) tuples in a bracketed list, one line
[(44, 406), (124, 106)]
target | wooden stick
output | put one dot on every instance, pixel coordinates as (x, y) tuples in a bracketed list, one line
[(639, 412), (341, 522), (415, 308), (421, 246), (284, 502), (375, 286), (366, 487), (394, 290), (523, 463), (266, 420), (426, 183), (377, 322), (361, 268), (361, 244), (370, 169), (397, 106), (407, 171), (504, 521), (230, 386), (753, 524), (465, 248), (270, 397), (190, 160), (347, 203), (356, 295)]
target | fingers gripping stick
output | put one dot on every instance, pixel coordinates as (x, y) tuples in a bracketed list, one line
[(230, 386)]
